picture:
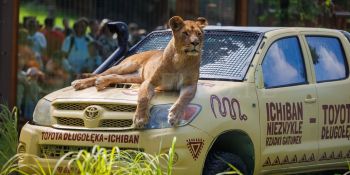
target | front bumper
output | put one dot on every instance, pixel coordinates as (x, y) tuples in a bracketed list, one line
[(49, 144)]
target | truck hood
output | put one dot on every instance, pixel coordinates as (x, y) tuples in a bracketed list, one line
[(129, 95), (111, 94), (91, 93)]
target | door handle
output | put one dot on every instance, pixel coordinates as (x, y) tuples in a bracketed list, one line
[(310, 100)]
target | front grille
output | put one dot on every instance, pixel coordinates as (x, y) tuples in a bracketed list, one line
[(120, 108), (57, 151), (101, 122), (111, 123), (70, 121), (121, 123), (82, 106)]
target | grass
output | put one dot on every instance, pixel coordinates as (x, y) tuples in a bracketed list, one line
[(8, 133), (100, 161), (12, 166), (348, 172), (233, 170)]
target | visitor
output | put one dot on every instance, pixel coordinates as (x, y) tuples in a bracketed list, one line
[(53, 37), (66, 29), (75, 46), (37, 40), (106, 41), (94, 59), (57, 73), (93, 26)]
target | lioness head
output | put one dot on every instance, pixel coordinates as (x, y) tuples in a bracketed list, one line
[(188, 35)]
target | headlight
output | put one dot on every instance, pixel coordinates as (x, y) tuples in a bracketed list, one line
[(41, 115), (159, 116)]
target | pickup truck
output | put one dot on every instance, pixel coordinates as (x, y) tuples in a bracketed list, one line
[(270, 100)]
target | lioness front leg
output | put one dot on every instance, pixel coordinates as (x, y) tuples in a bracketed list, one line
[(83, 83), (146, 93), (104, 81), (125, 67), (186, 95)]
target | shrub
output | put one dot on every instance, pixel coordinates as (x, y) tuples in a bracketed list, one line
[(8, 133), (100, 161)]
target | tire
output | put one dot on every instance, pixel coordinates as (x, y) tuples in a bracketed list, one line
[(214, 165)]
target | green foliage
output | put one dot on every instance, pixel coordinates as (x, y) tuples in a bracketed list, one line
[(233, 170), (348, 173), (298, 13), (8, 133), (100, 161), (41, 12), (12, 166)]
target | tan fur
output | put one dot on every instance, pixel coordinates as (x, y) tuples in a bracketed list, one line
[(175, 68)]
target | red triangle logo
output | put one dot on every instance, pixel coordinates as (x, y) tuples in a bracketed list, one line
[(347, 154), (195, 146), (295, 159), (303, 159), (324, 156), (340, 155), (285, 160), (267, 162), (331, 156), (276, 161), (312, 158)]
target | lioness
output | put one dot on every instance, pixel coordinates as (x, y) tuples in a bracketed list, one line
[(175, 68)]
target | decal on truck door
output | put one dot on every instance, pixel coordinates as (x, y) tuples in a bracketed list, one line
[(286, 160), (225, 106), (336, 123), (284, 123), (333, 155)]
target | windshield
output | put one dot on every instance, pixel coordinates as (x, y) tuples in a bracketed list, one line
[(226, 54)]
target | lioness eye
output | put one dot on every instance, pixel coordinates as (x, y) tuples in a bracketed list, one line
[(185, 33), (199, 33)]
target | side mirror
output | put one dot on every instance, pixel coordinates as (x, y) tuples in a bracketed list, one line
[(121, 29), (259, 78)]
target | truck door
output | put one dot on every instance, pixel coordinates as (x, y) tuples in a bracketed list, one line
[(288, 106), (333, 89)]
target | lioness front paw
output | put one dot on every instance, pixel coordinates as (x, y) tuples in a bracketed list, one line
[(101, 83), (79, 84), (140, 120), (173, 118)]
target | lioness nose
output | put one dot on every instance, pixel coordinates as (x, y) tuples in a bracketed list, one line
[(195, 42)]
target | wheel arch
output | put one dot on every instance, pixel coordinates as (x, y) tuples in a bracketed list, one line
[(237, 142)]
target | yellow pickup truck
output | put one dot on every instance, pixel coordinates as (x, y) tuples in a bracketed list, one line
[(269, 101)]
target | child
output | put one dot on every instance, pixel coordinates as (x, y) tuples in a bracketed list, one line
[(94, 59), (33, 91), (57, 72)]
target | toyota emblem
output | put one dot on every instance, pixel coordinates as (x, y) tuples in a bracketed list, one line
[(92, 112)]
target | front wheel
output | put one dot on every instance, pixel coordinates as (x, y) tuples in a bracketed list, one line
[(219, 161)]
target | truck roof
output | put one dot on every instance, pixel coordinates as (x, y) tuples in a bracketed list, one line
[(243, 28), (256, 29)]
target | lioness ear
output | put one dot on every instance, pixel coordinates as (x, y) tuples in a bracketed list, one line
[(176, 23), (201, 22)]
